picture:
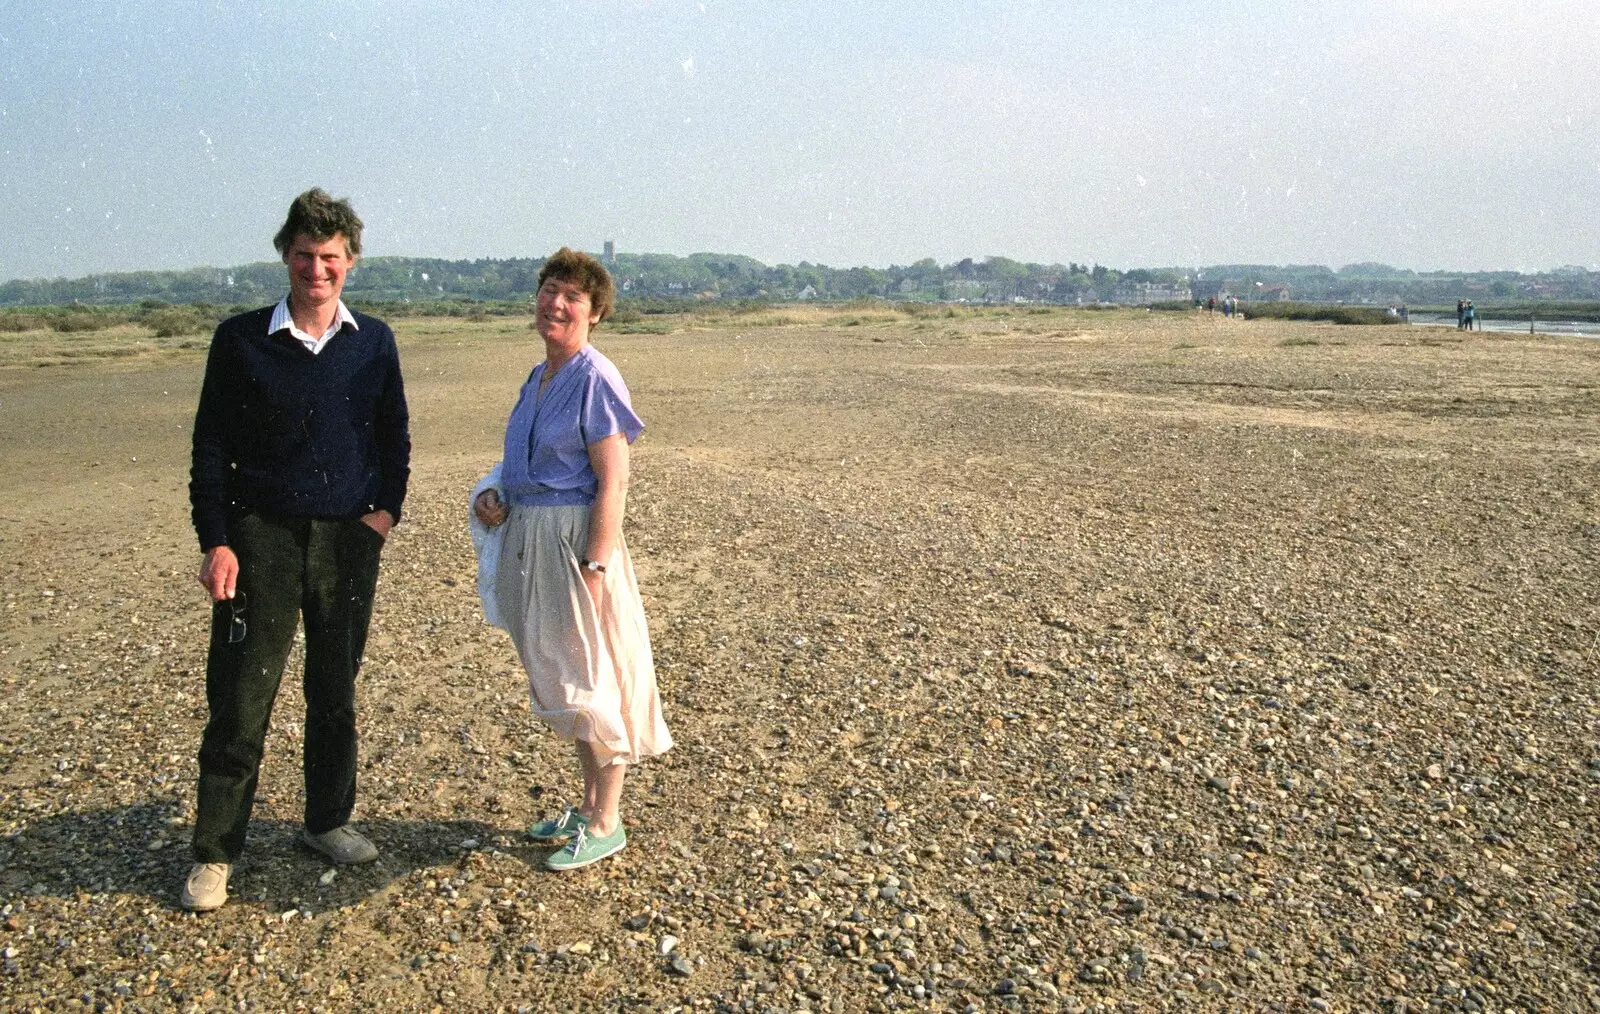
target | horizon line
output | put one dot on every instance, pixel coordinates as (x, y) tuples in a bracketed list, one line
[(1194, 269)]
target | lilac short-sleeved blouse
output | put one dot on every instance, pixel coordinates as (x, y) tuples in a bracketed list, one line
[(546, 459)]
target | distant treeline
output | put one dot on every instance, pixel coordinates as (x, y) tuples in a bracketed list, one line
[(645, 277)]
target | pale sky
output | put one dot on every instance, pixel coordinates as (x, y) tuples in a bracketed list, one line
[(1430, 134)]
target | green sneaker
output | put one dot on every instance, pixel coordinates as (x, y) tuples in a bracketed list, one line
[(558, 829), (587, 848)]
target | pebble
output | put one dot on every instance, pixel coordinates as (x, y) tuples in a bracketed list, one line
[(1096, 971)]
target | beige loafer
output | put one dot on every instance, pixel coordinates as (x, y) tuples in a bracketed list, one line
[(344, 845), (206, 887)]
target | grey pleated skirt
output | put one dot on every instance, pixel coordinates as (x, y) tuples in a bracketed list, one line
[(590, 673)]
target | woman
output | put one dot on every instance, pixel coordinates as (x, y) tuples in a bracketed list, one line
[(563, 584)]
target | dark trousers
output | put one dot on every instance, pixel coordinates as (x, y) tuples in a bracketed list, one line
[(323, 570)]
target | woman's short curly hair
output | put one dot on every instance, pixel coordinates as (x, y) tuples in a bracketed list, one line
[(587, 273), (321, 216)]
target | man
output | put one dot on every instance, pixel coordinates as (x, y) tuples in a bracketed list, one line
[(301, 458)]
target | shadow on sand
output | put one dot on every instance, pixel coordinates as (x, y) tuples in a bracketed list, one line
[(144, 850)]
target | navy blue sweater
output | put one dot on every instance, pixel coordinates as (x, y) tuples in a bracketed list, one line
[(286, 432)]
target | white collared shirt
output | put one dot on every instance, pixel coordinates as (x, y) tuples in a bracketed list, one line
[(282, 318)]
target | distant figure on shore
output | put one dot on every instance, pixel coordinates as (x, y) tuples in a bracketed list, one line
[(1461, 315), (1470, 315), (1211, 304), (1228, 304), (302, 454), (554, 569)]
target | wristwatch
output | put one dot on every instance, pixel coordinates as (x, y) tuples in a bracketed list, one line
[(594, 565)]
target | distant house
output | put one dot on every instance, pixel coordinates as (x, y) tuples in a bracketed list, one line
[(1145, 293), (1257, 292), (809, 292)]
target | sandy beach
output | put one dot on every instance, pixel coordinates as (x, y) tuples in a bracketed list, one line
[(1020, 659)]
